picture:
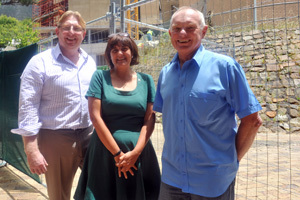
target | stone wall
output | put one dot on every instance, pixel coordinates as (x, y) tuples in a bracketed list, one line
[(271, 61)]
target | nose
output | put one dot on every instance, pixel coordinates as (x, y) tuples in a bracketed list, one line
[(119, 52), (71, 29), (182, 31)]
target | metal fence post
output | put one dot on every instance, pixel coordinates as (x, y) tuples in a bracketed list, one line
[(122, 13), (112, 21)]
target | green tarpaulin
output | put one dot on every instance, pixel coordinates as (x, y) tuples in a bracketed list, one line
[(12, 64)]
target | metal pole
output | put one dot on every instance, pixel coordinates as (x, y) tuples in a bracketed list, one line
[(255, 14), (51, 35), (89, 36), (204, 8), (112, 24), (122, 16)]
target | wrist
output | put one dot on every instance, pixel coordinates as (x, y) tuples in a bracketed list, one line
[(118, 153), (137, 152)]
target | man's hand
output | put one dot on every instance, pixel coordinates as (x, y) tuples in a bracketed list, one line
[(37, 163)]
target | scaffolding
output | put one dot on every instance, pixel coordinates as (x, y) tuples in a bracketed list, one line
[(47, 12), (133, 14)]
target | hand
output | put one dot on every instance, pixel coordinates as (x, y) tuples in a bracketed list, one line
[(124, 170), (37, 163), (125, 163)]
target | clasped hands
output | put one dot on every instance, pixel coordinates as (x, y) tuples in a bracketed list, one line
[(126, 162)]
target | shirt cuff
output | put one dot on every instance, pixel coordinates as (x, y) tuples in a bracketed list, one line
[(27, 131)]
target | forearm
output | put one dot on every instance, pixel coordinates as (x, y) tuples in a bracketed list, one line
[(128, 160), (102, 131), (246, 134), (145, 134), (105, 136), (30, 144), (36, 161)]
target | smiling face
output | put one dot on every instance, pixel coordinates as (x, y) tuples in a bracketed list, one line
[(121, 56), (70, 34), (186, 33)]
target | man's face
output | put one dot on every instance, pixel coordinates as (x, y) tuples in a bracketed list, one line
[(186, 33), (70, 34)]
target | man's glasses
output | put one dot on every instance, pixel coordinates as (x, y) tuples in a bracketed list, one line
[(76, 29), (118, 34)]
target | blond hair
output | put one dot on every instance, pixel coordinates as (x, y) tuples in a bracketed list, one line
[(69, 13)]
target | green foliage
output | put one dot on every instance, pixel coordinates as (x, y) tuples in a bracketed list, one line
[(103, 67), (19, 31)]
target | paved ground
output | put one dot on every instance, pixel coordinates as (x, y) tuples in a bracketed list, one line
[(270, 170)]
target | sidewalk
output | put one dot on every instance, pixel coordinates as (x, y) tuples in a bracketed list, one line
[(270, 170)]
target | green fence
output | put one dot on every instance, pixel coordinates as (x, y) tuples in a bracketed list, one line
[(12, 64)]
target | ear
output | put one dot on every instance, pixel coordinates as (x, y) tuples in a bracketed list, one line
[(170, 33), (83, 34), (204, 30), (57, 31)]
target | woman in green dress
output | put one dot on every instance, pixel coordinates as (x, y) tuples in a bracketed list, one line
[(121, 162)]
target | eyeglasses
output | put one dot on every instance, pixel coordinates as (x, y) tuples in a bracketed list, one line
[(118, 34), (76, 29)]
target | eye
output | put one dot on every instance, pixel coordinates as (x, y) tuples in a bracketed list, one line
[(77, 28), (176, 29), (66, 28), (190, 29), (125, 49), (114, 50)]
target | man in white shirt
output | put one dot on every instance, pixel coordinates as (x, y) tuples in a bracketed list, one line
[(53, 112)]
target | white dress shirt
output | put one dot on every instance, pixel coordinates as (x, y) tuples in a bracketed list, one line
[(52, 93)]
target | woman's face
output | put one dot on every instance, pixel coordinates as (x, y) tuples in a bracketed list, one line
[(121, 55)]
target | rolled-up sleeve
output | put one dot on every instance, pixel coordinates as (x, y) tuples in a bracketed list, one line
[(29, 99)]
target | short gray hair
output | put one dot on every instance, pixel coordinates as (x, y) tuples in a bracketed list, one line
[(201, 16)]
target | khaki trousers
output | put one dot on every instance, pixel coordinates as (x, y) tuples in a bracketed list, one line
[(64, 150)]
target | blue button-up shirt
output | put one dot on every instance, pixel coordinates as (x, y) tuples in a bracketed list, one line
[(52, 92), (198, 105)]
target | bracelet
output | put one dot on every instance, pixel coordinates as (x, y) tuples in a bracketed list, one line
[(118, 153)]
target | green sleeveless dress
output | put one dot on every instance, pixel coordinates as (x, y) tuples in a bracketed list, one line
[(123, 113)]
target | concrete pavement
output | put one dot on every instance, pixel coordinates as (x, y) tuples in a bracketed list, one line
[(270, 171)]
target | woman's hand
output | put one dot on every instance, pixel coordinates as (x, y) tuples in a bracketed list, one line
[(125, 163)]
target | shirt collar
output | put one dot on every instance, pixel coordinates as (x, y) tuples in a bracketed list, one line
[(196, 58), (57, 52)]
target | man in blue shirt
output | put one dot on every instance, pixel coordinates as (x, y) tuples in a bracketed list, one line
[(199, 93)]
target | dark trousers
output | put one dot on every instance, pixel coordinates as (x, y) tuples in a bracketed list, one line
[(168, 192)]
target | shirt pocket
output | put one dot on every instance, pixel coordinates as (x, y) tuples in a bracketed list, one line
[(201, 106)]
